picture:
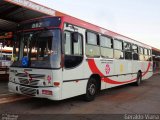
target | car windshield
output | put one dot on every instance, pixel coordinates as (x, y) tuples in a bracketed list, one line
[(42, 48)]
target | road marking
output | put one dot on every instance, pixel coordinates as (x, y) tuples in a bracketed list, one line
[(12, 99)]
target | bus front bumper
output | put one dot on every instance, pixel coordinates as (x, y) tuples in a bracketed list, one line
[(52, 93)]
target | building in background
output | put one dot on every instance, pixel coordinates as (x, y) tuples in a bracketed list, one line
[(156, 60)]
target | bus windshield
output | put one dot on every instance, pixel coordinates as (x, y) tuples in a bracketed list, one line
[(41, 47)]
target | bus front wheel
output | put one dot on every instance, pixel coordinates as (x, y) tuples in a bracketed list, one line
[(91, 90)]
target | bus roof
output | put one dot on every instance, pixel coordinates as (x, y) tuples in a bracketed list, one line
[(81, 23), (92, 27)]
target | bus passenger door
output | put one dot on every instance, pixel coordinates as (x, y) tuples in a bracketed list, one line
[(73, 75)]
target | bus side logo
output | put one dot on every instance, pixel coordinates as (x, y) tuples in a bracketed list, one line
[(107, 69)]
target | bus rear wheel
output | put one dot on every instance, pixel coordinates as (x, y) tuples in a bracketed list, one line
[(91, 90), (139, 79)]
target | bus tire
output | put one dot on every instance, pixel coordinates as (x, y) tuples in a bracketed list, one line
[(91, 90), (139, 79)]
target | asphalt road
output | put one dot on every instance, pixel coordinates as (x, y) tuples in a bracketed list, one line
[(127, 99)]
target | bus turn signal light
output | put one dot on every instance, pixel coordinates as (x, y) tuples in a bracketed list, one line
[(56, 83)]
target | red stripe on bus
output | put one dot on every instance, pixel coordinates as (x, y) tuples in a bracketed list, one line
[(149, 65), (95, 70)]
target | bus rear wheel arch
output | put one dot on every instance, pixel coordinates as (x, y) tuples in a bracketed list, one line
[(139, 78), (93, 87)]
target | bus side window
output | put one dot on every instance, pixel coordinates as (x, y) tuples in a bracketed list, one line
[(92, 46), (146, 54), (77, 46), (135, 52), (106, 44), (68, 47), (73, 47), (141, 54), (118, 49), (128, 51), (150, 55)]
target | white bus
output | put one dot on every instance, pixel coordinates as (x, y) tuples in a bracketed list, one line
[(5, 56), (63, 57)]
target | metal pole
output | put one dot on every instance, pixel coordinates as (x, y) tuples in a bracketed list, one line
[(1, 50)]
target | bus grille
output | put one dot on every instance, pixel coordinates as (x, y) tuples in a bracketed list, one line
[(40, 76), (28, 82), (28, 91), (24, 81), (21, 75)]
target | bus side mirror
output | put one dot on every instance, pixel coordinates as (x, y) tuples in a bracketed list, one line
[(75, 36)]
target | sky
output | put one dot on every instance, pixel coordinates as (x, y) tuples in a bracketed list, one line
[(137, 19)]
